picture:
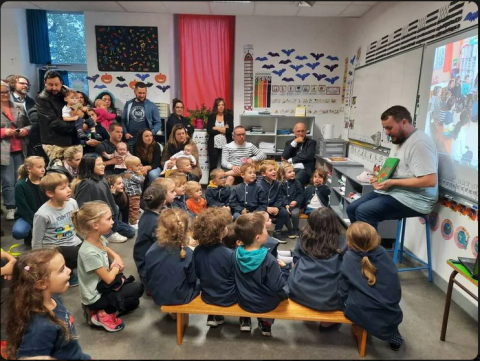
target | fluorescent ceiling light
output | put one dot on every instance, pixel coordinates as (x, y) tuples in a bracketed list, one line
[(233, 2)]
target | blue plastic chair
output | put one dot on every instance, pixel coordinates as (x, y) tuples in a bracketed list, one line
[(398, 254)]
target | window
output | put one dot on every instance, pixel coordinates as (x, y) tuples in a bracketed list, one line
[(439, 57)]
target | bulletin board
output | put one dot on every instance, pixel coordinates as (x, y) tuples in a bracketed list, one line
[(127, 48)]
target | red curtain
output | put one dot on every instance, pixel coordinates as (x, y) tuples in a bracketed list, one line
[(206, 45)]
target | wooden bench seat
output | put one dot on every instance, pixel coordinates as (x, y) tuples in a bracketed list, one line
[(286, 310)]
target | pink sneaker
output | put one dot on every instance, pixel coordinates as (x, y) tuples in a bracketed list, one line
[(108, 321)]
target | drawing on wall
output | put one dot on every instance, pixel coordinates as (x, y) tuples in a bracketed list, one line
[(434, 221), (127, 48), (461, 237), (333, 90), (447, 229), (263, 89), (248, 77)]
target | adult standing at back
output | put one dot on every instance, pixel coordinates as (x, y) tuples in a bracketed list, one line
[(109, 100), (56, 134), (139, 113), (301, 153), (219, 129), (177, 118), (19, 86), (412, 190)]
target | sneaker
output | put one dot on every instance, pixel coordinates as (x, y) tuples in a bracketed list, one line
[(73, 282), (297, 234), (265, 327), (134, 226), (245, 324), (291, 235), (97, 136), (364, 177), (82, 135), (117, 238), (278, 236), (214, 321), (108, 322), (396, 341), (10, 215)]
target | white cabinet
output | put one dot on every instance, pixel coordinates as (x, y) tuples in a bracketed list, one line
[(200, 138)]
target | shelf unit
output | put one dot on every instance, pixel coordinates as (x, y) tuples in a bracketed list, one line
[(270, 124)]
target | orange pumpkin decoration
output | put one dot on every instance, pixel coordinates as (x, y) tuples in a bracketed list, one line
[(160, 78), (106, 79), (132, 83)]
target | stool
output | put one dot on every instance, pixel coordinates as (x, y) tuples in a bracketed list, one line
[(399, 243)]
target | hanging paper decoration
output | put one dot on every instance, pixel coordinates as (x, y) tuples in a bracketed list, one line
[(447, 229)]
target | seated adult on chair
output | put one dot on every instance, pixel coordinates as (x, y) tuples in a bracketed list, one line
[(301, 153), (413, 188), (234, 152)]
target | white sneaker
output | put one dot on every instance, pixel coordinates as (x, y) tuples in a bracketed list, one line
[(117, 238), (10, 215), (134, 226), (364, 177)]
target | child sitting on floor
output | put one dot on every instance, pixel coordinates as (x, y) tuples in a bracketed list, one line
[(218, 193), (195, 202), (169, 186), (133, 180), (184, 166), (180, 186), (115, 181), (317, 194), (293, 192)]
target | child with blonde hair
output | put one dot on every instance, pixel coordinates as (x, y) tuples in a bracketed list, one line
[(293, 192), (28, 197), (180, 180), (38, 323), (169, 266), (169, 185), (133, 180), (369, 289), (117, 294), (195, 202)]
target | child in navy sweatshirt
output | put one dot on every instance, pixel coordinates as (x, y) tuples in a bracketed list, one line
[(293, 192), (169, 266), (317, 194), (369, 289), (317, 257), (154, 198), (180, 180), (248, 196), (258, 276), (218, 193), (276, 201), (214, 261)]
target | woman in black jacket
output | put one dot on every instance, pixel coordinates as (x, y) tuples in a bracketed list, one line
[(177, 117), (219, 129), (148, 150)]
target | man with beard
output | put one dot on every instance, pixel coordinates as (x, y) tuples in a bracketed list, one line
[(56, 134), (20, 86), (139, 113), (412, 190)]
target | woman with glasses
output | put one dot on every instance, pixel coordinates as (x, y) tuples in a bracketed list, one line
[(15, 127), (91, 185), (219, 129), (177, 118), (176, 142)]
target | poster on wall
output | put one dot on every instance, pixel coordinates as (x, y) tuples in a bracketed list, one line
[(248, 77), (263, 89), (127, 48)]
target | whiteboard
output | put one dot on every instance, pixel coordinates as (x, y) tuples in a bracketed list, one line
[(377, 87)]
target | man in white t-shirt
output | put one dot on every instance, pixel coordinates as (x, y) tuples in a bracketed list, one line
[(412, 190)]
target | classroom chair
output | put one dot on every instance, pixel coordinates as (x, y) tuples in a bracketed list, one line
[(398, 254)]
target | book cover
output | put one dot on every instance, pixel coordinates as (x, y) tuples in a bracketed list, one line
[(387, 169)]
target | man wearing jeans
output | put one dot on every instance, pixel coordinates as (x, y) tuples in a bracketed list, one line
[(412, 190)]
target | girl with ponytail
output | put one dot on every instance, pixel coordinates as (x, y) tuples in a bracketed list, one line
[(169, 267), (369, 289)]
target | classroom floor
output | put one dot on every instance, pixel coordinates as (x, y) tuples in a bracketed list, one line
[(150, 334)]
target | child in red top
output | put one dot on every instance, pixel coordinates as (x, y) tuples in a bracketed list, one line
[(195, 203), (104, 117)]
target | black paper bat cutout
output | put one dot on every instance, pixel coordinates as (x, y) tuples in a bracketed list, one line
[(142, 76), (93, 77), (317, 56), (296, 67), (100, 86), (273, 54), (163, 88), (350, 72), (319, 76), (352, 60), (331, 67), (288, 51), (471, 16), (329, 57), (121, 85), (314, 65), (301, 57), (148, 85), (288, 61), (303, 76), (268, 66), (120, 78), (332, 80), (279, 72), (287, 79), (263, 58)]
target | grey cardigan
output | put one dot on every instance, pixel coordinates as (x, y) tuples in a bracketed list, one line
[(21, 121)]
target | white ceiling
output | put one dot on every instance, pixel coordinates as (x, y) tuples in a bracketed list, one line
[(259, 8)]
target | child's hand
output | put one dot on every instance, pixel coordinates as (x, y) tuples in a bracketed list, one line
[(272, 210), (118, 261), (293, 204), (288, 209), (281, 263), (244, 211), (7, 270)]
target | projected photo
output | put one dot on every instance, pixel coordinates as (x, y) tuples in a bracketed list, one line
[(452, 117)]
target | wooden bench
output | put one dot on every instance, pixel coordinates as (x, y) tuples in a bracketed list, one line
[(286, 310)]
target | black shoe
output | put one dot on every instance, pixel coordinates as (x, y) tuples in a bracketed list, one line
[(245, 324), (291, 235), (214, 321), (396, 342), (81, 135), (97, 136), (265, 327)]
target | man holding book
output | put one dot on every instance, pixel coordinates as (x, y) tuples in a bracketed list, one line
[(411, 189)]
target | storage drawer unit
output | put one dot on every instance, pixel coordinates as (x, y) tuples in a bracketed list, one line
[(332, 147)]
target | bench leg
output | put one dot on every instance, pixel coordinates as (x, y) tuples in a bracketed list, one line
[(361, 337), (182, 323)]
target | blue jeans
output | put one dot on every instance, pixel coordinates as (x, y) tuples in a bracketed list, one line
[(21, 229), (154, 174), (9, 179), (123, 228), (374, 207)]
